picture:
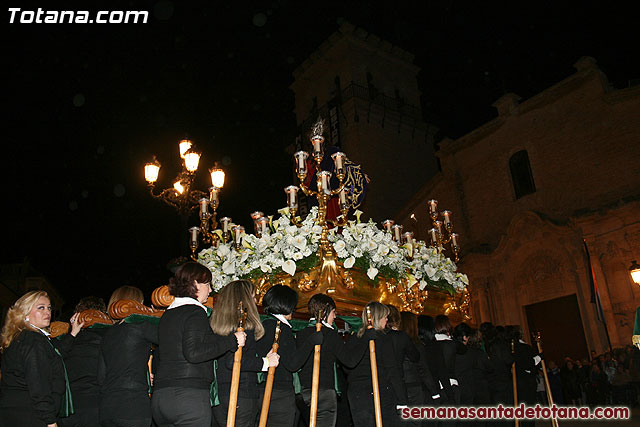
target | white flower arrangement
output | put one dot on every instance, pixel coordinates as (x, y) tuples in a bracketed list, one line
[(289, 248)]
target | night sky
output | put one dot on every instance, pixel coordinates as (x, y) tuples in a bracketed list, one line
[(87, 105)]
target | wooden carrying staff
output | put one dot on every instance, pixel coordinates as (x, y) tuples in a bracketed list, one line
[(268, 387), (235, 376), (547, 387), (515, 380), (315, 378), (374, 373)]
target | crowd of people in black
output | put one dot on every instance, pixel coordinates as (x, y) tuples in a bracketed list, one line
[(104, 375)]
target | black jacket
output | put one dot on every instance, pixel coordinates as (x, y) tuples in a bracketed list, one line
[(333, 349), (123, 369), (187, 348), (389, 369), (251, 364), (32, 376), (403, 350), (291, 359), (81, 355)]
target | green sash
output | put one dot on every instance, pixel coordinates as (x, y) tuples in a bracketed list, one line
[(66, 407), (213, 389)]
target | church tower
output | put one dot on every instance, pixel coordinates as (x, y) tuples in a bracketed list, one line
[(367, 92)]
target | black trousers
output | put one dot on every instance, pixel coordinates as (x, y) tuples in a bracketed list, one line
[(20, 417), (362, 408), (180, 406), (122, 422), (327, 407), (282, 409), (246, 412), (83, 417)]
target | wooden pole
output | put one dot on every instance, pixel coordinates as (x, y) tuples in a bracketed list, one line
[(547, 387), (268, 387), (315, 379), (235, 376), (374, 374), (515, 381)]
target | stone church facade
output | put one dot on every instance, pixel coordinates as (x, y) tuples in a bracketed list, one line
[(528, 190)]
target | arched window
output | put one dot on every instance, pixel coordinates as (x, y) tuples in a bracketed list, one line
[(521, 174)]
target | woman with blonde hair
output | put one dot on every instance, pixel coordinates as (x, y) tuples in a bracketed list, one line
[(224, 321), (123, 370), (360, 389), (33, 383)]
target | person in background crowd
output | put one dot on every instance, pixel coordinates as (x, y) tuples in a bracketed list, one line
[(187, 348), (464, 364), (598, 386), (499, 352), (481, 369), (123, 367), (32, 384), (224, 322), (279, 303), (421, 388), (81, 350), (526, 361), (555, 382), (621, 391), (570, 383)]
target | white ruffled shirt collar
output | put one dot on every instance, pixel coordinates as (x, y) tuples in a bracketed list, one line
[(180, 301), (281, 318), (313, 319), (442, 337), (45, 333)]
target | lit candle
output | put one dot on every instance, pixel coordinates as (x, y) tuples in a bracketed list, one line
[(338, 159), (317, 141), (225, 224), (438, 225), (301, 162), (325, 185), (256, 215), (387, 224), (454, 240), (434, 236), (343, 199), (204, 211), (213, 195), (194, 235), (433, 206), (397, 233), (408, 237), (446, 215), (262, 225), (292, 196), (237, 233)]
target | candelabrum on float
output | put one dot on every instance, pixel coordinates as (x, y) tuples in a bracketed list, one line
[(352, 260)]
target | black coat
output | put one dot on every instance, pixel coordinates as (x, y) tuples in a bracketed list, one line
[(81, 355), (526, 372), (123, 370), (251, 364), (464, 376), (481, 372), (443, 368), (32, 377), (500, 379), (291, 358), (403, 350), (333, 349), (187, 347)]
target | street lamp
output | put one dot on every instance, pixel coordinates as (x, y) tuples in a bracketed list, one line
[(182, 195), (634, 271)]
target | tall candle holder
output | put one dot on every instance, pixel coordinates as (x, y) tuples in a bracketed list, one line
[(323, 183), (440, 238)]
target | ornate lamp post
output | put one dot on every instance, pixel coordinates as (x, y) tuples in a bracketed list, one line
[(634, 272), (183, 196)]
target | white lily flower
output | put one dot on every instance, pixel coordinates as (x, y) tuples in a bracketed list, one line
[(289, 267), (348, 263), (372, 272)]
